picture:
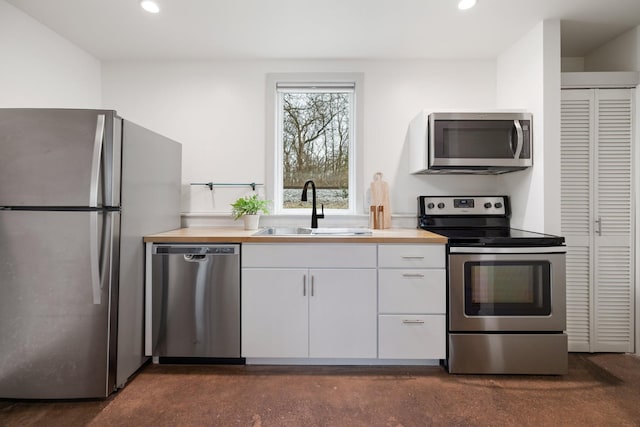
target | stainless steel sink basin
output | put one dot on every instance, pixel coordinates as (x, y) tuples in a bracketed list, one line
[(305, 231), (283, 231), (335, 231)]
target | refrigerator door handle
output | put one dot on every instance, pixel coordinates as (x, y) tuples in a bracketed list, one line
[(94, 252), (96, 160)]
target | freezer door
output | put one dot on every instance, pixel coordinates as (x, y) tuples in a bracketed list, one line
[(52, 157), (56, 324)]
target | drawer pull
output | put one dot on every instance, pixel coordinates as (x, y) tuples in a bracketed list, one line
[(413, 322), (412, 257), (413, 275)]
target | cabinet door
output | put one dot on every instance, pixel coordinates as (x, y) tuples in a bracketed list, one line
[(577, 138), (275, 313), (613, 258), (597, 217), (343, 313)]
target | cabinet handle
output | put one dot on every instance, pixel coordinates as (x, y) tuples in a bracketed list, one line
[(412, 257), (412, 322), (599, 224), (413, 275), (304, 285), (312, 287)]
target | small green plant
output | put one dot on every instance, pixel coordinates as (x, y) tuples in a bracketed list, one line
[(249, 205)]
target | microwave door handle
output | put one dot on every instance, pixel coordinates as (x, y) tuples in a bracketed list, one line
[(520, 139)]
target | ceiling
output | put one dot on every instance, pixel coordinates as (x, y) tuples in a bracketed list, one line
[(313, 29)]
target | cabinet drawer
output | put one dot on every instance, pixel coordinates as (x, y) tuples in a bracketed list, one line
[(412, 291), (411, 337), (309, 255), (411, 256)]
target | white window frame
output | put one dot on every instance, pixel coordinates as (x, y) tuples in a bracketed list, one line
[(274, 165)]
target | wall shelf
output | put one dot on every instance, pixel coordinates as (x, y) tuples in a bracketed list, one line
[(253, 185)]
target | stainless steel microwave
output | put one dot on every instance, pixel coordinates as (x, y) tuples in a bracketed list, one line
[(481, 143)]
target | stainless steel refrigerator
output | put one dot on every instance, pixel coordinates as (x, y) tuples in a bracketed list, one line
[(78, 190)]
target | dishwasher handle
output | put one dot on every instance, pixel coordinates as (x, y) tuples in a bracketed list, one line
[(194, 251)]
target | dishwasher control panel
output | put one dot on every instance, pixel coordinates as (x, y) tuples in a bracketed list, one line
[(197, 249)]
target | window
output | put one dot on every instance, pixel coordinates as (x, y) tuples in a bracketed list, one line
[(315, 138)]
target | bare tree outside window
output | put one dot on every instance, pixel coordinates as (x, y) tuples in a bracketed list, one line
[(316, 139)]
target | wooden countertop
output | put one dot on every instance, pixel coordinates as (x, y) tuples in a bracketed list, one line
[(238, 235)]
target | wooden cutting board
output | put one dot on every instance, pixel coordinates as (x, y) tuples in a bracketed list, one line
[(380, 197)]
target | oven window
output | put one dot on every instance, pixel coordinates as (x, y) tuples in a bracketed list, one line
[(507, 288)]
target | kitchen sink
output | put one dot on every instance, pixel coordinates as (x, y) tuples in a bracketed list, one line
[(306, 231), (283, 231), (341, 231)]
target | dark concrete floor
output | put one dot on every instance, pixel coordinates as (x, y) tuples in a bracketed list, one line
[(600, 390)]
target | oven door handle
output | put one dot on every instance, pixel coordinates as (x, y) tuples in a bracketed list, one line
[(507, 250)]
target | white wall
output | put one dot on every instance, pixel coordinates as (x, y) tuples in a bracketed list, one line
[(620, 54), (216, 109), (572, 64), (528, 77), (41, 69), (551, 69)]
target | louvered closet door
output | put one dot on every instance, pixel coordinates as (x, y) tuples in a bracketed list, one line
[(613, 291), (577, 138), (596, 209)]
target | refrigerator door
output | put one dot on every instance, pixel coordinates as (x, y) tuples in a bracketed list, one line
[(52, 157), (150, 204), (57, 326)]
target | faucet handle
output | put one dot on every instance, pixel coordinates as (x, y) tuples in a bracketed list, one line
[(321, 215)]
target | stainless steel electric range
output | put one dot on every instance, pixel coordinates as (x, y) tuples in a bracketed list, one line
[(506, 288)]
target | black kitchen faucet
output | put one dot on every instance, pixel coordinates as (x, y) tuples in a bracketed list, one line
[(314, 212)]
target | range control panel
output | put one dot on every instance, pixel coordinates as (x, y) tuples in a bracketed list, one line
[(464, 205)]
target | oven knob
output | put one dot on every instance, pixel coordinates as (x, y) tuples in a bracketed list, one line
[(487, 205), (440, 205), (498, 205), (430, 206)]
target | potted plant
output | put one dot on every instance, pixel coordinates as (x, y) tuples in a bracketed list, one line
[(249, 208)]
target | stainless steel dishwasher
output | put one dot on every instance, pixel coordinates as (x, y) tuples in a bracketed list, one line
[(196, 302)]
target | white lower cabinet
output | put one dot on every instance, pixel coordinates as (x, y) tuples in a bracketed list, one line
[(320, 312), (275, 313), (343, 301), (411, 301), (412, 336), (412, 291), (342, 313)]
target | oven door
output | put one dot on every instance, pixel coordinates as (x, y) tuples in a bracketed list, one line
[(507, 289)]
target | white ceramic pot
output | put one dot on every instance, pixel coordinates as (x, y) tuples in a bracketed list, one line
[(251, 222)]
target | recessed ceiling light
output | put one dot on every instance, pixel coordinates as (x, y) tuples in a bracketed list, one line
[(466, 4), (150, 6)]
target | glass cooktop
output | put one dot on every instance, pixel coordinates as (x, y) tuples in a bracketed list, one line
[(477, 221), (496, 237)]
